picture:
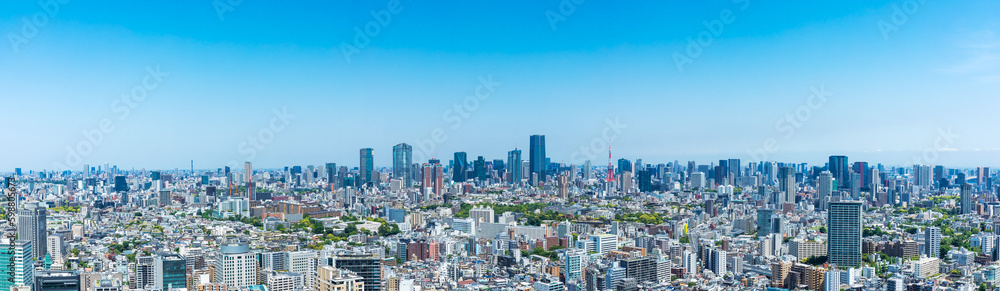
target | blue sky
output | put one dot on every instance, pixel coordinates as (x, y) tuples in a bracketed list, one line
[(897, 73)]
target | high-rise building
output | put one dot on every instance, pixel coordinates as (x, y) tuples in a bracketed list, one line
[(513, 160), (21, 255), (838, 167), (121, 185), (459, 167), (31, 222), (331, 175), (844, 233), (536, 159), (426, 177), (564, 186), (367, 166), (764, 221), (786, 177), (479, 168), (932, 241), (717, 261), (825, 189), (438, 179), (573, 258), (368, 266), (248, 173), (171, 272), (922, 176), (967, 204), (236, 266), (402, 160)]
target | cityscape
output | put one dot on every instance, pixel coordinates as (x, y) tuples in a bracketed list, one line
[(563, 145)]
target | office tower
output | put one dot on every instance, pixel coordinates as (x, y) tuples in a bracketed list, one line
[(479, 168), (734, 168), (786, 178), (121, 185), (588, 170), (332, 279), (248, 173), (236, 266), (513, 160), (402, 159), (932, 241), (331, 175), (940, 173), (844, 233), (22, 259), (438, 179), (170, 272), (967, 205), (605, 243), (698, 180), (862, 169), (536, 159), (645, 179), (367, 167), (623, 165), (459, 167), (57, 281), (764, 222), (564, 186), (426, 177), (922, 176), (825, 189), (983, 175), (31, 221), (368, 266), (855, 185), (838, 167)]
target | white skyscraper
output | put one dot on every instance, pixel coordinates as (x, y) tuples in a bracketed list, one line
[(825, 189)]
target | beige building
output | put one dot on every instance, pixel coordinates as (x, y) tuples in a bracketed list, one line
[(803, 249), (926, 267), (333, 279)]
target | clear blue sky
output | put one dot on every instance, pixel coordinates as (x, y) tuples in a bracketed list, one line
[(897, 76)]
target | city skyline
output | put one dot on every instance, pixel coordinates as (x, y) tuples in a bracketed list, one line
[(601, 68)]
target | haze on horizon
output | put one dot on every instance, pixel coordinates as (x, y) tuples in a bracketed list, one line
[(889, 82)]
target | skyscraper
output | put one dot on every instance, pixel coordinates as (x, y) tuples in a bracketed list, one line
[(31, 222), (170, 272), (825, 185), (764, 221), (932, 240), (966, 199), (402, 161), (844, 234), (460, 166), (438, 178), (331, 175), (786, 177), (514, 161), (22, 259), (427, 177), (366, 167), (536, 159), (838, 167), (367, 266)]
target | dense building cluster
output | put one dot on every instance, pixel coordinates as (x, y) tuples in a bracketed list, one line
[(504, 224)]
